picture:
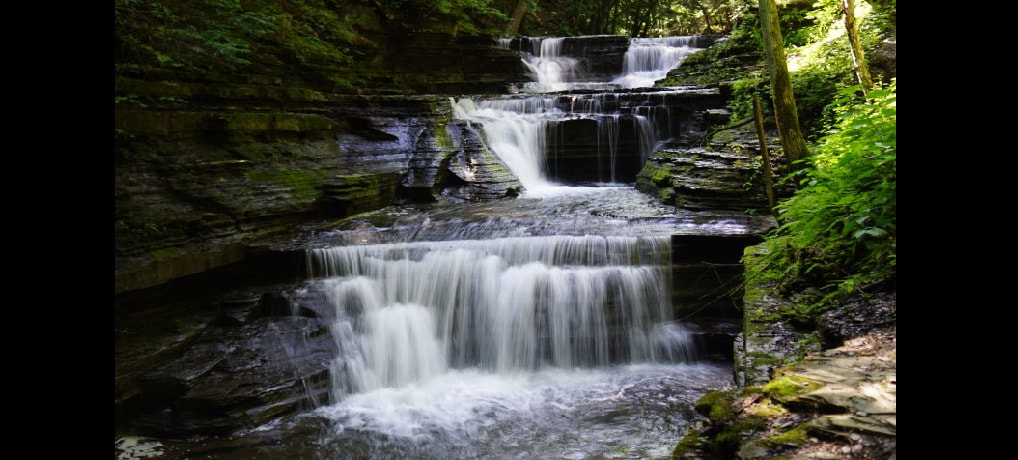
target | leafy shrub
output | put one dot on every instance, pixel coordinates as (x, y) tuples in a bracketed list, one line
[(838, 233)]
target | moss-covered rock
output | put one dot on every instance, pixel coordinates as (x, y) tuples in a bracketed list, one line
[(784, 388), (772, 337), (825, 405)]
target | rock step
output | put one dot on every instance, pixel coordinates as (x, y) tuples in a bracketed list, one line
[(698, 178)]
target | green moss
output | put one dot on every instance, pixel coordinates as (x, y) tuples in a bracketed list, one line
[(728, 442), (667, 195), (303, 185), (794, 437), (765, 408), (786, 387), (443, 140), (661, 176), (165, 253), (716, 405), (729, 423)]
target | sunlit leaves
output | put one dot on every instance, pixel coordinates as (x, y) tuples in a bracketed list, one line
[(839, 232)]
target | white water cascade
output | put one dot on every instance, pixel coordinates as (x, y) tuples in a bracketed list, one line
[(450, 346), (516, 130), (408, 312), (649, 59), (550, 70), (646, 61), (525, 132)]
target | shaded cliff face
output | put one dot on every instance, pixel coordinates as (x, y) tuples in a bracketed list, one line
[(210, 155), (234, 121), (191, 185)]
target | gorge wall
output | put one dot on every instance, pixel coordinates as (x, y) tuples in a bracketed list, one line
[(204, 164)]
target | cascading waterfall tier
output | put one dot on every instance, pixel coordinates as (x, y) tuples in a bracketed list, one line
[(477, 348), (407, 312), (649, 59), (582, 136)]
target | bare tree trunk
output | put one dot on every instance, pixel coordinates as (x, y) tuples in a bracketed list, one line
[(786, 115), (862, 72), (761, 136), (518, 12), (706, 18)]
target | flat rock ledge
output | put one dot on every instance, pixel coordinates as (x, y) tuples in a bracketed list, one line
[(840, 403)]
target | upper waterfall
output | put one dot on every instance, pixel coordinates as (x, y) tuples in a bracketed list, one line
[(649, 59), (586, 118), (569, 63)]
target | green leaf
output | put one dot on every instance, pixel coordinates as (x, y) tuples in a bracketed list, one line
[(869, 231)]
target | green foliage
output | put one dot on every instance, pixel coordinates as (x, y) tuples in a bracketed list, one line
[(814, 91), (820, 62), (474, 16), (470, 16), (636, 18), (795, 22), (743, 91), (197, 34), (838, 233), (313, 34)]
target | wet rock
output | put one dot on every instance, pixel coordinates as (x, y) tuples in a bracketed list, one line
[(857, 316), (766, 342), (185, 204), (273, 304), (832, 404), (453, 161), (234, 360), (697, 178), (579, 150), (234, 378)]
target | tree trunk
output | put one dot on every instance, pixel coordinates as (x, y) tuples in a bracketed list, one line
[(706, 18), (786, 115), (862, 72), (518, 12), (761, 136)]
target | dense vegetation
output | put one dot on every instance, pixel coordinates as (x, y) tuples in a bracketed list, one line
[(636, 18), (838, 233)]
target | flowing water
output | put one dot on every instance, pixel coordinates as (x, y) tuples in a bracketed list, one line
[(535, 327)]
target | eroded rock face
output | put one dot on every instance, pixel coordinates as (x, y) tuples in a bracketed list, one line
[(237, 362), (193, 189), (766, 342), (727, 174), (800, 396), (205, 163)]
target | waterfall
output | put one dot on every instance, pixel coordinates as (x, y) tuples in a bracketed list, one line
[(528, 134), (649, 59), (407, 312), (516, 131), (484, 329), (550, 70)]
